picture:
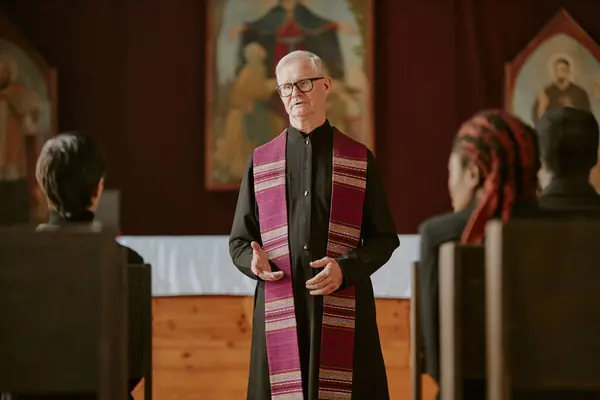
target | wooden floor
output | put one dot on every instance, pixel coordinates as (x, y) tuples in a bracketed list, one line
[(202, 348)]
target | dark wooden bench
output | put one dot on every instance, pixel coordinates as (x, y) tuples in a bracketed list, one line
[(139, 279), (63, 312), (416, 355), (462, 317), (543, 308)]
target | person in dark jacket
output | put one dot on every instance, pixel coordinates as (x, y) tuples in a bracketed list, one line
[(568, 139), (493, 170), (71, 170)]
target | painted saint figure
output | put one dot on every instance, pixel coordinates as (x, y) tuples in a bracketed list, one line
[(562, 92), (291, 26), (20, 113)]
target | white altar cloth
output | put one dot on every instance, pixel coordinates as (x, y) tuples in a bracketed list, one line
[(200, 265)]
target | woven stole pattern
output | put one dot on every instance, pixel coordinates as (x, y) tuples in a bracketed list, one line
[(280, 317), (339, 309), (337, 343)]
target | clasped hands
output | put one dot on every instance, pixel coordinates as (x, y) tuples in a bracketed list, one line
[(325, 282)]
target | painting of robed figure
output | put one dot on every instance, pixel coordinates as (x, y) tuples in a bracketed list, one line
[(559, 67), (27, 120), (247, 38), (290, 26)]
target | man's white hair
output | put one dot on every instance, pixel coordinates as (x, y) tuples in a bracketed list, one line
[(302, 55)]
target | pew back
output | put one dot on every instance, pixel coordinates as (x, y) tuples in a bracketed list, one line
[(416, 355), (543, 297), (62, 304), (462, 317), (139, 279)]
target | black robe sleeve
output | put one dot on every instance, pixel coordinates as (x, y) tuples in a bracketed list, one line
[(379, 237), (245, 227)]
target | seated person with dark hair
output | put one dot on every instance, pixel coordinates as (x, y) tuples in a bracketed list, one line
[(70, 171), (568, 139), (493, 170)]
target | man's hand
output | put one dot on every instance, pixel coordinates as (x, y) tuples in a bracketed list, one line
[(326, 281), (260, 265)]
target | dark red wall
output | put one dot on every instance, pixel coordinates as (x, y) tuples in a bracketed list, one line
[(132, 73)]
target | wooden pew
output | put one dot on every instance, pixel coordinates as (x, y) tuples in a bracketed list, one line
[(416, 355), (543, 302), (63, 311), (139, 278), (462, 319)]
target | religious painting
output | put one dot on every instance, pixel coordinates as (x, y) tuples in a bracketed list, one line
[(560, 67), (27, 120), (245, 41)]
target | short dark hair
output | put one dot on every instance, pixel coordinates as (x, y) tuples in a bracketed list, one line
[(568, 140), (69, 170)]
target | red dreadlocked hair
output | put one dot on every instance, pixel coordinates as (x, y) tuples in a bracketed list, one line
[(505, 150)]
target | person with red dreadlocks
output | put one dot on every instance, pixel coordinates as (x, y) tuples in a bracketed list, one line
[(493, 170)]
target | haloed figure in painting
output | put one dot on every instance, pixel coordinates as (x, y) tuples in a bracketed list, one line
[(311, 226)]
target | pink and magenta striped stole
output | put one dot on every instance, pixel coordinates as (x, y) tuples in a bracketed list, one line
[(337, 339)]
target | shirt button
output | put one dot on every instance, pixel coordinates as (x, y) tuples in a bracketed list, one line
[(306, 192), (307, 141), (305, 165), (305, 247)]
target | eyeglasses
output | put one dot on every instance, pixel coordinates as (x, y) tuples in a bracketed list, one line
[(305, 85)]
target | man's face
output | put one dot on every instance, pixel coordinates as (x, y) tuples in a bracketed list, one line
[(462, 182), (562, 71), (303, 104)]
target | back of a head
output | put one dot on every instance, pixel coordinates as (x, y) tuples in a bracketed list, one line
[(568, 141), (505, 151), (69, 169)]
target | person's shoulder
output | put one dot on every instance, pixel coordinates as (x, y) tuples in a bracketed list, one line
[(347, 137), (355, 144), (553, 209), (556, 200), (444, 227), (433, 224), (267, 146), (578, 88)]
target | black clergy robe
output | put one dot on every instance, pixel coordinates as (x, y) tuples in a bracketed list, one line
[(309, 180)]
